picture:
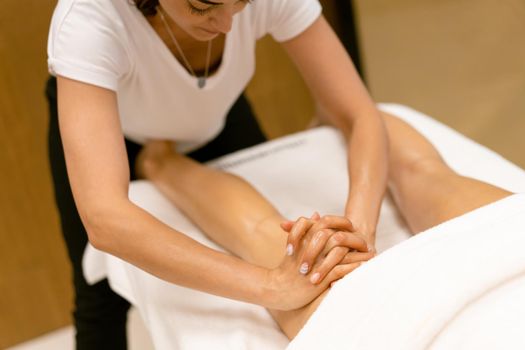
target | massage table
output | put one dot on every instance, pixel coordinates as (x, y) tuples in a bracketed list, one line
[(459, 285)]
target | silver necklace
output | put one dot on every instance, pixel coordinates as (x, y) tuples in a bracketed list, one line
[(201, 81)]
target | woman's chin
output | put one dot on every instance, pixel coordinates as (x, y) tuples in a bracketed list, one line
[(202, 34)]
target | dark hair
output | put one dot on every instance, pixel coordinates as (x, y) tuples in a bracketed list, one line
[(147, 7)]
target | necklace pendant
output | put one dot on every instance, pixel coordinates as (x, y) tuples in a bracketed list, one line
[(201, 82)]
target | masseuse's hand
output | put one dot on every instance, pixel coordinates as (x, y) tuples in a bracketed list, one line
[(291, 289), (333, 241)]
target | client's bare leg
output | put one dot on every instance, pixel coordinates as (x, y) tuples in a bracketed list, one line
[(229, 210), (425, 189)]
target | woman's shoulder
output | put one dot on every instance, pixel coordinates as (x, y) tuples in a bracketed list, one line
[(79, 11), (283, 19), (87, 39), (87, 23)]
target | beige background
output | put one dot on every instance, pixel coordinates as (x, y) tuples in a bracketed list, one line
[(34, 277), (461, 61)]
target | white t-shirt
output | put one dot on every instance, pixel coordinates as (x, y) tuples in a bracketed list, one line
[(109, 43)]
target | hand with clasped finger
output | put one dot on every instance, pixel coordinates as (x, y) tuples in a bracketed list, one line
[(289, 289), (333, 246)]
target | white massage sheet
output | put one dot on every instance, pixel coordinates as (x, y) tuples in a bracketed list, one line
[(459, 285)]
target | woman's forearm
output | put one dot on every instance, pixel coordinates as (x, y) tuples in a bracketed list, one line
[(130, 233), (368, 168), (343, 100)]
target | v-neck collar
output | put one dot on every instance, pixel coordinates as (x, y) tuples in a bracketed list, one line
[(191, 80)]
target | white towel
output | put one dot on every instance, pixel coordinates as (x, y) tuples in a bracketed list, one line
[(407, 296)]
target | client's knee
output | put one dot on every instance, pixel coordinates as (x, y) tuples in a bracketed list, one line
[(410, 152), (424, 166)]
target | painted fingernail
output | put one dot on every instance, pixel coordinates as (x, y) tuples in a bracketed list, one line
[(315, 277), (304, 268), (289, 249)]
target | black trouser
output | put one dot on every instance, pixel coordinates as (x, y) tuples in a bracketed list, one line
[(100, 314)]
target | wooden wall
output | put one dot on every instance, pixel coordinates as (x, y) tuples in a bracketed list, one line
[(461, 61), (34, 275), (458, 60)]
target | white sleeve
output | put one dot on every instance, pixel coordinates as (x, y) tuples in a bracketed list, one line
[(285, 19), (86, 43)]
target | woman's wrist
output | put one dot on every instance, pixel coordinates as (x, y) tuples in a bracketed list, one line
[(362, 209), (273, 291), (269, 293), (366, 227)]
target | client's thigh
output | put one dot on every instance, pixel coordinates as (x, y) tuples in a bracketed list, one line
[(425, 188)]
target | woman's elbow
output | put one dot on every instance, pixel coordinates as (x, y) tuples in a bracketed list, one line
[(100, 224)]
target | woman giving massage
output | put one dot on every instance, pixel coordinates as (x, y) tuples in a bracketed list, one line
[(129, 71)]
